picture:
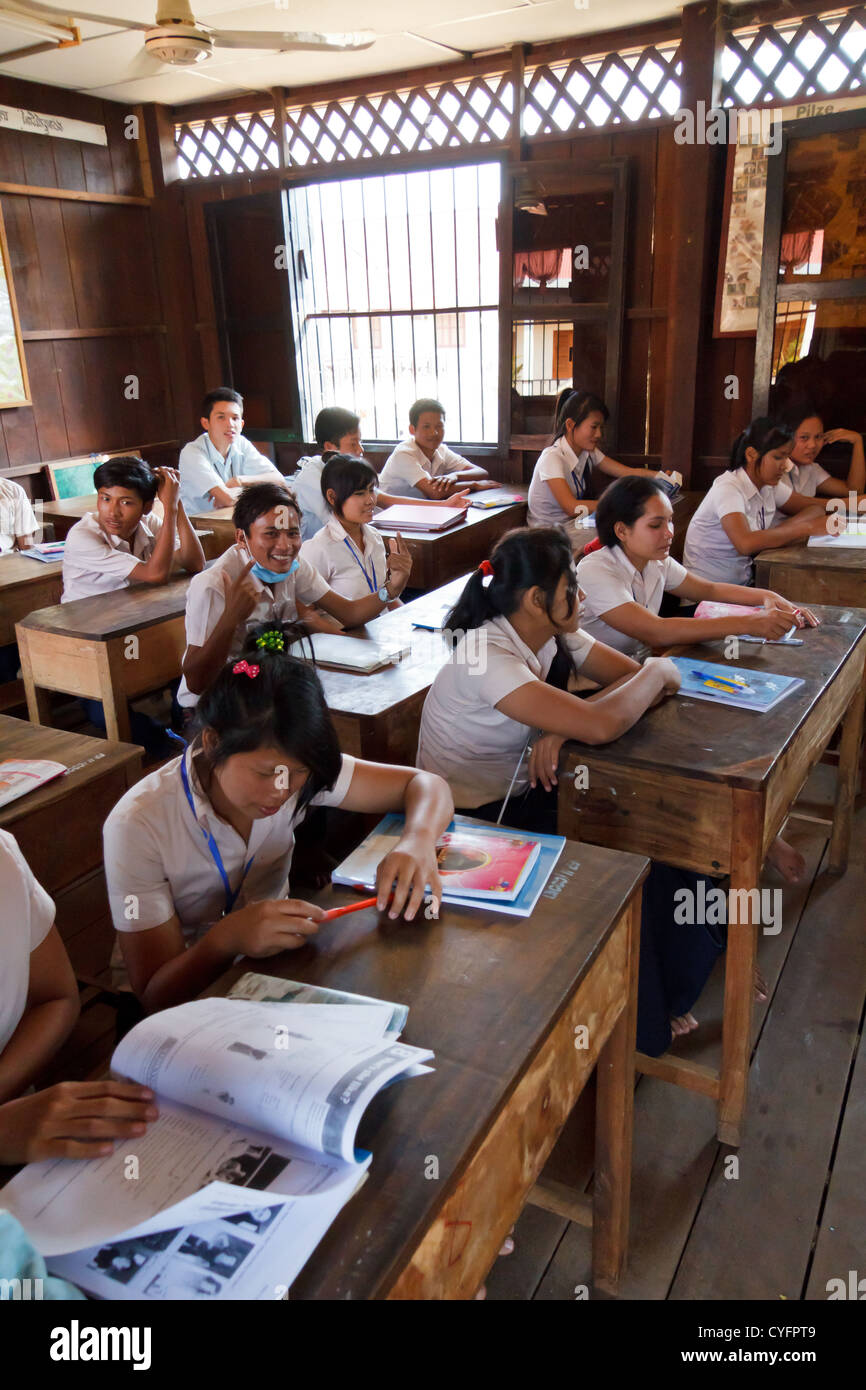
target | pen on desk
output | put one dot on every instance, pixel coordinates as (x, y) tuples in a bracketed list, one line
[(350, 907)]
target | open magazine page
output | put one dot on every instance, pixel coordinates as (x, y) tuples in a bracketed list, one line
[(187, 1168), (247, 1255), (283, 1067), (273, 988)]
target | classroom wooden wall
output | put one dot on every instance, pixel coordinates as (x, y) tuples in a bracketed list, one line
[(86, 276)]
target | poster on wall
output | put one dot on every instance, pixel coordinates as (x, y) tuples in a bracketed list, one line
[(739, 280), (14, 386)]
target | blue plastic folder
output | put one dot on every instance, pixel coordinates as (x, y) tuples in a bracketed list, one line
[(733, 685)]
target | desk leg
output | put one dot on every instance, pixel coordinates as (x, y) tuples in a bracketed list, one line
[(741, 956), (115, 705), (38, 699), (846, 782), (614, 1114)]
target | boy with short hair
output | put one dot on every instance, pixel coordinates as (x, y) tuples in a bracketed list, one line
[(217, 465), (423, 466), (122, 542), (338, 431)]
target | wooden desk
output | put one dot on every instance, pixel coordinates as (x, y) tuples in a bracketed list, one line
[(59, 829), (710, 790), (25, 585), (500, 1001), (109, 648), (440, 557), (65, 513), (814, 574), (378, 716), (221, 527)]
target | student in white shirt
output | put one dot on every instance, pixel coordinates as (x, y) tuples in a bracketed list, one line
[(348, 552), (204, 844), (805, 475), (422, 466), (122, 543), (740, 514), (519, 616), (558, 492), (38, 1010), (624, 581), (18, 524), (262, 578), (216, 466), (338, 431)]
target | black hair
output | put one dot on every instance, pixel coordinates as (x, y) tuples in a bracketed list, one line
[(625, 501), (576, 406), (798, 410), (333, 423), (764, 435), (344, 475), (128, 471), (222, 393), (283, 706), (521, 560), (421, 407), (259, 498)]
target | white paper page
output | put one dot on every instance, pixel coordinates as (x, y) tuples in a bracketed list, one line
[(228, 1057), (189, 1166), (271, 987), (249, 1255)]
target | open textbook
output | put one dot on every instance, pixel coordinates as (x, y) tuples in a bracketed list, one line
[(253, 1155)]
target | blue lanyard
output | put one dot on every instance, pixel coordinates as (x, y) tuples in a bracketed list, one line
[(579, 482), (361, 566), (231, 897)]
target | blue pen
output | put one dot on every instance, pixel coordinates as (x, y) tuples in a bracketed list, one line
[(734, 686)]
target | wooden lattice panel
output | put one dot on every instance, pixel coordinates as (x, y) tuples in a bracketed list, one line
[(452, 114), (785, 63), (617, 88), (227, 145)]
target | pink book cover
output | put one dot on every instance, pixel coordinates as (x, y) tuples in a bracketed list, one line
[(707, 609), (471, 862)]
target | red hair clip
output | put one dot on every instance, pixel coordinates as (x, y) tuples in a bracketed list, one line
[(591, 546), (486, 568), (243, 668)]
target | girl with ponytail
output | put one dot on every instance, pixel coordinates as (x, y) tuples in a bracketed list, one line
[(746, 508), (197, 854)]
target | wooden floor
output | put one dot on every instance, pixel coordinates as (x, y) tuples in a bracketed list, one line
[(786, 1212)]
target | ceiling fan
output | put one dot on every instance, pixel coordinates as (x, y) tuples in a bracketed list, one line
[(177, 38)]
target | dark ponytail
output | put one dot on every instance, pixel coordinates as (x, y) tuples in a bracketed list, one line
[(576, 405), (282, 706), (624, 501), (524, 559), (764, 435)]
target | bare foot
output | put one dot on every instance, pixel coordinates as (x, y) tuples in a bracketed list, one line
[(683, 1023), (762, 990), (786, 859)]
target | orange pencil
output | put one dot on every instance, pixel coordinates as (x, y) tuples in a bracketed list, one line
[(351, 907)]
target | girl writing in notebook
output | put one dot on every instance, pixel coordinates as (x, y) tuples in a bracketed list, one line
[(348, 552), (197, 854), (805, 474), (480, 715), (751, 507), (563, 473)]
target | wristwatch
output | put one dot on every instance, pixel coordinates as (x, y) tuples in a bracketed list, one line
[(382, 594)]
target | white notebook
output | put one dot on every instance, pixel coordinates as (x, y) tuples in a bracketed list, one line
[(349, 653)]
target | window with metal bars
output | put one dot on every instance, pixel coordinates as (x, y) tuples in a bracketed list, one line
[(394, 283)]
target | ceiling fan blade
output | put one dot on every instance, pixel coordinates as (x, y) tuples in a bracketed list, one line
[(53, 11), (292, 42)]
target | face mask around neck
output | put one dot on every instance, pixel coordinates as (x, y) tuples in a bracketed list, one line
[(272, 576)]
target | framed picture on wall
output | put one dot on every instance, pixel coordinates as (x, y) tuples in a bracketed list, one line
[(738, 283), (14, 384)]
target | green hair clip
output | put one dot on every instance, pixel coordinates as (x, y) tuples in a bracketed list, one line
[(271, 641)]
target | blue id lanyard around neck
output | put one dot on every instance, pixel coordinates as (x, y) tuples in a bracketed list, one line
[(579, 481), (373, 587), (231, 896)]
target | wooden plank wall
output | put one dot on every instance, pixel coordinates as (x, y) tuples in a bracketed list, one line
[(86, 277)]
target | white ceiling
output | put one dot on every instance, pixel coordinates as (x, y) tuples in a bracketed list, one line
[(109, 60)]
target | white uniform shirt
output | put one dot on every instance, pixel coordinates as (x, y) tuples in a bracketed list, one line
[(559, 460), (349, 571), (202, 467), (408, 465), (25, 921), (16, 514), (609, 579), (708, 551), (95, 562), (805, 478), (206, 601), (306, 484), (463, 737), (157, 860)]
